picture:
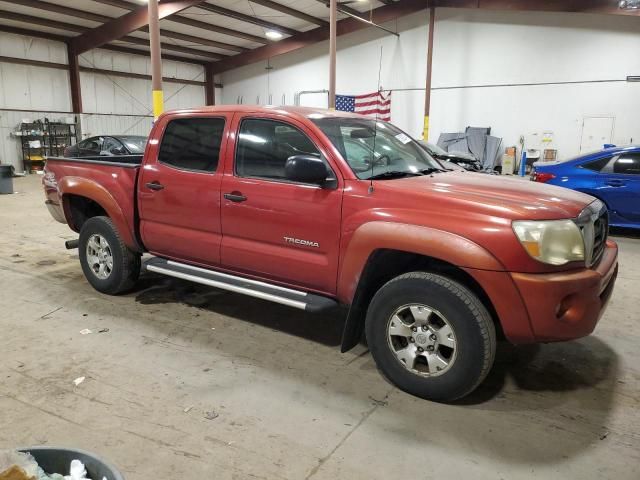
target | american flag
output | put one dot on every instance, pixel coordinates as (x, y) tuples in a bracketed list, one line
[(376, 104)]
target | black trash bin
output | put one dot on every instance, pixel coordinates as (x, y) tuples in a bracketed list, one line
[(6, 178), (57, 460)]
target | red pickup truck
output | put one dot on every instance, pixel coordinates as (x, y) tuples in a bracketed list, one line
[(314, 209)]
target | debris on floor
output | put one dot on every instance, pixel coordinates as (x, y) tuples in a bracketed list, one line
[(86, 331), (211, 415), (188, 409), (78, 381), (103, 330)]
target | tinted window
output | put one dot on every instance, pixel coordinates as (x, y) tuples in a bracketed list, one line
[(192, 143), (91, 146), (111, 146), (134, 144), (628, 163), (597, 165), (265, 145)]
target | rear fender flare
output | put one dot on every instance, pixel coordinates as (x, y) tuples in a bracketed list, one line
[(94, 191)]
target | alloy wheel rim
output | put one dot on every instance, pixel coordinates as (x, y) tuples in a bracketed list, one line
[(99, 256), (422, 340)]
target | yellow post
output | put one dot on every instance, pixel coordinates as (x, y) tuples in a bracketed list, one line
[(425, 131), (158, 103)]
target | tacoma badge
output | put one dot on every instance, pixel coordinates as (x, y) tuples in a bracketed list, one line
[(297, 241)]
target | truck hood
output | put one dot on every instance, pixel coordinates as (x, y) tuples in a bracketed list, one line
[(498, 196)]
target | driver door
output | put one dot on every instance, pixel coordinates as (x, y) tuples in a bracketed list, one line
[(272, 227)]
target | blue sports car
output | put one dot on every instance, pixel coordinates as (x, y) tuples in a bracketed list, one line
[(612, 175)]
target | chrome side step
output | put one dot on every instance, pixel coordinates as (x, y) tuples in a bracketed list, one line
[(253, 288)]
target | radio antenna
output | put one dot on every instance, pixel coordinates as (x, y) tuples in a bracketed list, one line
[(375, 125)]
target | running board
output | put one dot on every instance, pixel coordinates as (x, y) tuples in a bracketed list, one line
[(253, 288)]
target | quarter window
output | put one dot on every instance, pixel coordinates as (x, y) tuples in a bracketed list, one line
[(265, 145), (192, 143), (597, 165), (628, 164)]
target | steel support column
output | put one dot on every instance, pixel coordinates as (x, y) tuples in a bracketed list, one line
[(209, 85), (74, 79), (427, 96), (333, 19)]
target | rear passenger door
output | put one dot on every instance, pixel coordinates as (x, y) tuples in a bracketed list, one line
[(179, 189), (621, 186), (274, 228)]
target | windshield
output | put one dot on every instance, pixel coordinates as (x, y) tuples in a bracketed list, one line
[(134, 144), (436, 149), (395, 152)]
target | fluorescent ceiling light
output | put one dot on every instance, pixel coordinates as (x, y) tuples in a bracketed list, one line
[(273, 34)]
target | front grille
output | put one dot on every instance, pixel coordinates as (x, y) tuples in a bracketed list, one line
[(594, 225), (600, 232)]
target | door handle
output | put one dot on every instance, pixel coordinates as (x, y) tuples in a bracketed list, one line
[(616, 183), (154, 186), (235, 197)]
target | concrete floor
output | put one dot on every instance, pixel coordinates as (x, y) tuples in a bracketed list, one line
[(288, 404)]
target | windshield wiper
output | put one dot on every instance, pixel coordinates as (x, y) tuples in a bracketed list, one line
[(394, 174), (429, 171)]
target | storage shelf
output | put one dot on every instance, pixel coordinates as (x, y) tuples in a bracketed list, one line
[(54, 137)]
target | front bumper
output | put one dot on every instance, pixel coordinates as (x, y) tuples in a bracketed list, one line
[(568, 305)]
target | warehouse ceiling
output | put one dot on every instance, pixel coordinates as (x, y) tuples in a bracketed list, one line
[(230, 33), (211, 31)]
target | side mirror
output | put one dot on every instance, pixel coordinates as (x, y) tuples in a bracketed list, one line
[(305, 169)]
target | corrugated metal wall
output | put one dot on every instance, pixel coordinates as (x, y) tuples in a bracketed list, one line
[(114, 104)]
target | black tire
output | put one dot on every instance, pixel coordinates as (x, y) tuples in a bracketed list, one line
[(475, 336), (126, 264)]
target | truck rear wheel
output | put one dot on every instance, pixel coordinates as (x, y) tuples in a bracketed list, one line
[(430, 336), (107, 263)]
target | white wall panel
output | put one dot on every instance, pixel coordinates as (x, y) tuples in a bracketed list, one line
[(472, 48), (116, 105), (115, 125), (123, 62), (32, 48)]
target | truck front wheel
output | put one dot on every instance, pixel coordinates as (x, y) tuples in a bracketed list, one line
[(431, 336), (107, 263)]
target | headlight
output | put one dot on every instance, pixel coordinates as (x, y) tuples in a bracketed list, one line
[(555, 242)]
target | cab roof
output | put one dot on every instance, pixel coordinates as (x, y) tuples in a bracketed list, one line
[(288, 110)]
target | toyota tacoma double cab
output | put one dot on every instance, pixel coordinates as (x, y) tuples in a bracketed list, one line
[(316, 209)]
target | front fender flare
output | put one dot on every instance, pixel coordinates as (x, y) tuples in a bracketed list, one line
[(446, 246)]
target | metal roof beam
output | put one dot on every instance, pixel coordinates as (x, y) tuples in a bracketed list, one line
[(191, 22), (73, 12), (54, 7), (246, 18), (115, 48), (303, 39), (291, 12), (120, 27)]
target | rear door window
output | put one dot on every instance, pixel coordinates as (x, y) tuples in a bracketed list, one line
[(627, 164), (192, 144)]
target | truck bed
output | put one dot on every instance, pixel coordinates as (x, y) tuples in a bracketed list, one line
[(120, 160), (109, 181)]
